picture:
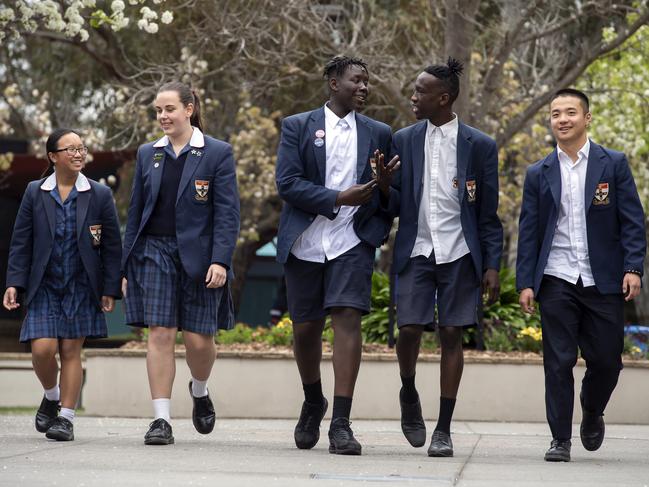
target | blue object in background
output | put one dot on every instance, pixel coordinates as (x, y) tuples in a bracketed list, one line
[(639, 335)]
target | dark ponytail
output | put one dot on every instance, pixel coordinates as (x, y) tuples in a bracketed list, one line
[(187, 95), (52, 145)]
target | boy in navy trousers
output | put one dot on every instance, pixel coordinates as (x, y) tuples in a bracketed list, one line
[(581, 250), (329, 230), (449, 241)]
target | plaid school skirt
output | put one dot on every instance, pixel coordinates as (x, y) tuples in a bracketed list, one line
[(160, 293)]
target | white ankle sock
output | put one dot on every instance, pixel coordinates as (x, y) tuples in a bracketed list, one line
[(53, 394), (161, 409), (67, 414), (199, 388)]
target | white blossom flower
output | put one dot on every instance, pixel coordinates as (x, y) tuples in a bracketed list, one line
[(117, 6), (148, 14), (152, 28), (167, 17), (142, 24), (83, 35)]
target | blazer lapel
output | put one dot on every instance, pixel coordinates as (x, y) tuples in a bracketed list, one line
[(156, 172), (191, 163), (594, 172), (418, 160), (83, 201), (363, 137), (50, 210), (317, 122), (552, 173), (463, 150)]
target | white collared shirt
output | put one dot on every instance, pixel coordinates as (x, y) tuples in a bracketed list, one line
[(568, 258), (82, 183), (326, 239), (197, 139), (439, 227)]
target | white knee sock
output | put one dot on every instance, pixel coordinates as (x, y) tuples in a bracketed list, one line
[(161, 409), (53, 394), (67, 414), (199, 388)]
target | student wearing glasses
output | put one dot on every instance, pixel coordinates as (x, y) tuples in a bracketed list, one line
[(64, 256)]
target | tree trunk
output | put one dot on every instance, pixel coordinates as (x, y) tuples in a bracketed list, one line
[(459, 35)]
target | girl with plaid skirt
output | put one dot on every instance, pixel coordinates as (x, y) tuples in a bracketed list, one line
[(183, 224), (65, 256)]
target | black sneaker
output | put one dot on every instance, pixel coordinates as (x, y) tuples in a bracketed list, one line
[(61, 429), (203, 415), (341, 438), (440, 445), (307, 429), (47, 412), (159, 433), (412, 423), (559, 451)]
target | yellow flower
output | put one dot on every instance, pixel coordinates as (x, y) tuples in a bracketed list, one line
[(534, 333)]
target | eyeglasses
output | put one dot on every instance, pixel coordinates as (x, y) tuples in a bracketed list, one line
[(73, 150)]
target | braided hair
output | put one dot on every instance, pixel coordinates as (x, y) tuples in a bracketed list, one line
[(450, 74)]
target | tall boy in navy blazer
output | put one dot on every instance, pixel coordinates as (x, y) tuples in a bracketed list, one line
[(329, 230), (449, 240), (581, 250)]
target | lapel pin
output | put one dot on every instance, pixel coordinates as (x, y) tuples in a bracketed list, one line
[(318, 142), (320, 133), (157, 164)]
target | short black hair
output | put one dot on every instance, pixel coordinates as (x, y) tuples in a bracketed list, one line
[(336, 66), (576, 93), (450, 74)]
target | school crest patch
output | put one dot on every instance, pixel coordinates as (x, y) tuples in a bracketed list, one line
[(601, 195), (95, 233), (202, 187), (470, 190)]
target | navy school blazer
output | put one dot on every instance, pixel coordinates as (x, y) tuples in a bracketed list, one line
[(614, 220), (301, 176), (207, 203), (477, 174), (33, 237)]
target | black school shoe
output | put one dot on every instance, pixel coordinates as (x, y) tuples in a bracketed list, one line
[(341, 438), (159, 433), (47, 412), (559, 451), (591, 430), (307, 429), (61, 429), (440, 445), (203, 415), (412, 423)]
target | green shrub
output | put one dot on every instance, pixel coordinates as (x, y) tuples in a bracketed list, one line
[(241, 333)]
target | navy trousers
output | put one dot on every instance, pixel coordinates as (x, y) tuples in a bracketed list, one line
[(576, 317)]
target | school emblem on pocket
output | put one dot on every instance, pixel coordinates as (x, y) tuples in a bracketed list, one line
[(470, 189), (601, 195), (202, 188), (95, 233)]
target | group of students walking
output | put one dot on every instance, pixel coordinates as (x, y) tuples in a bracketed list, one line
[(344, 178)]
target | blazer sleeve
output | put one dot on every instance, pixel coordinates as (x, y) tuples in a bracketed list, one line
[(528, 238), (135, 209), (22, 239), (490, 229), (292, 184), (226, 210), (111, 248), (631, 217), (392, 204)]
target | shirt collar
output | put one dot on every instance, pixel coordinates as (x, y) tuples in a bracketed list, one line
[(82, 183), (448, 129), (197, 140), (581, 153), (332, 120)]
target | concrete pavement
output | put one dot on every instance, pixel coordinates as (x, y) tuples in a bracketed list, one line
[(259, 453)]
